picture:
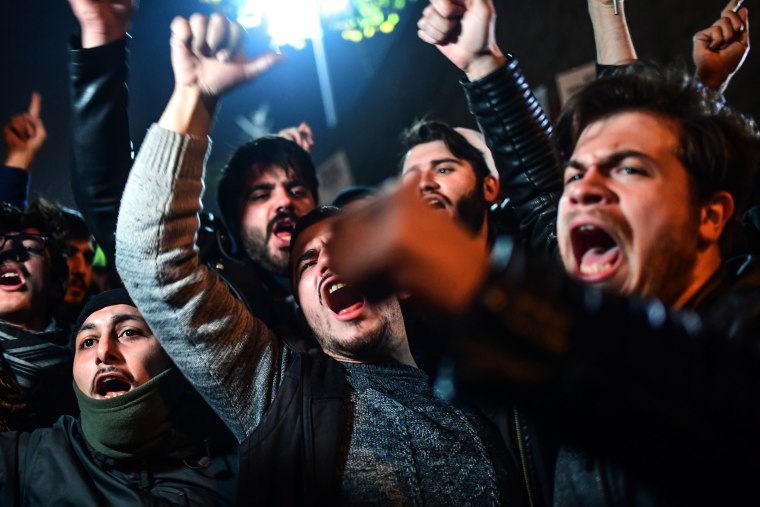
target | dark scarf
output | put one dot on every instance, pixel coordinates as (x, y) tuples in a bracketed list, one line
[(136, 422)]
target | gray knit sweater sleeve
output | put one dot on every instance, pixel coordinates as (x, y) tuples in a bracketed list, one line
[(232, 358)]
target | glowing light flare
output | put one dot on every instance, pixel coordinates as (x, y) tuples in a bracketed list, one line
[(289, 22), (330, 8)]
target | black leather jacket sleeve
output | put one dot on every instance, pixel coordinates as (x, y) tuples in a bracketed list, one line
[(518, 133), (624, 378), (101, 149)]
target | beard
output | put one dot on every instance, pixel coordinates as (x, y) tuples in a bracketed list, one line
[(377, 343), (672, 267), (471, 209), (256, 246)]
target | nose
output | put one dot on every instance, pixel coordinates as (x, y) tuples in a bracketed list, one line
[(591, 190), (283, 200), (323, 262), (108, 351), (427, 180), (77, 263)]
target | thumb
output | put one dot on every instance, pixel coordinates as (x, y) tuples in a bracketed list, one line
[(732, 5), (35, 105), (262, 63)]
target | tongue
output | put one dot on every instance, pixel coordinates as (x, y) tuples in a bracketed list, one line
[(283, 235), (345, 299), (597, 256)]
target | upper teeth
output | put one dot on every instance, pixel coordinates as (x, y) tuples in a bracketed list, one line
[(9, 274), (335, 287), (586, 228)]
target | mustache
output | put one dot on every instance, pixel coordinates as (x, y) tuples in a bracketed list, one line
[(282, 214), (110, 369)]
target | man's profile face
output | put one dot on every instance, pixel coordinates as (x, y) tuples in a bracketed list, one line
[(24, 277), (347, 325), (627, 221), (115, 352), (80, 253), (272, 202), (448, 183)]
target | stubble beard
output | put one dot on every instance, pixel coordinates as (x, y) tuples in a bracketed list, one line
[(672, 271), (256, 245), (374, 345)]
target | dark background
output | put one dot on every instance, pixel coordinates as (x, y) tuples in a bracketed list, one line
[(380, 85)]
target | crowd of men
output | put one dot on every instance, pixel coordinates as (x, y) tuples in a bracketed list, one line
[(591, 289)]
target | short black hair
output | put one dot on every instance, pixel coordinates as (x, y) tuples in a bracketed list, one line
[(76, 227), (719, 148), (264, 151), (351, 194), (427, 131)]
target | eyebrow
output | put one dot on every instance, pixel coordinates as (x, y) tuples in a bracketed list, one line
[(612, 159), (116, 319), (436, 162), (308, 254)]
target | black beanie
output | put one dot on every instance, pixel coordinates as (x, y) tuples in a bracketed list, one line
[(98, 302)]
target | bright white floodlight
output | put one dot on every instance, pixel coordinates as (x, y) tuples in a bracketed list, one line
[(288, 22), (333, 7)]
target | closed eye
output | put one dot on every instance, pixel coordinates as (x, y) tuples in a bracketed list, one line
[(305, 265)]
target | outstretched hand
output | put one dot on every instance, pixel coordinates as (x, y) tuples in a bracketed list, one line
[(463, 30), (102, 21), (24, 135), (720, 50), (398, 242)]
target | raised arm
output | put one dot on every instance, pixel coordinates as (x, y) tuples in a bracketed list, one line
[(23, 135), (516, 130), (101, 149), (232, 359), (614, 45), (720, 50)]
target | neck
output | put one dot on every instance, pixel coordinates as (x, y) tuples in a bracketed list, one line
[(401, 354), (707, 263)]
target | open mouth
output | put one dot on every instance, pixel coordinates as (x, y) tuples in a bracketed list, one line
[(596, 251), (435, 201), (11, 278), (283, 229), (112, 385), (343, 299)]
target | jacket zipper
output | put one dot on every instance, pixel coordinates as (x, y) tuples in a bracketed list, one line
[(523, 459)]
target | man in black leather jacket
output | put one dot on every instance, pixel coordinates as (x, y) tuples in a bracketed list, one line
[(652, 406)]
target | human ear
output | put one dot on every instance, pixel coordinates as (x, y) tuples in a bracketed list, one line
[(490, 188), (713, 216)]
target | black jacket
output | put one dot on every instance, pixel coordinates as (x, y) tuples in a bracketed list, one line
[(658, 403), (56, 467)]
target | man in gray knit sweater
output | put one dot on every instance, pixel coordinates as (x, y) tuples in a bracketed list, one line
[(392, 439)]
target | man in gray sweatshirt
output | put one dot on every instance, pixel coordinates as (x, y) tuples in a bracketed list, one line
[(356, 422)]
